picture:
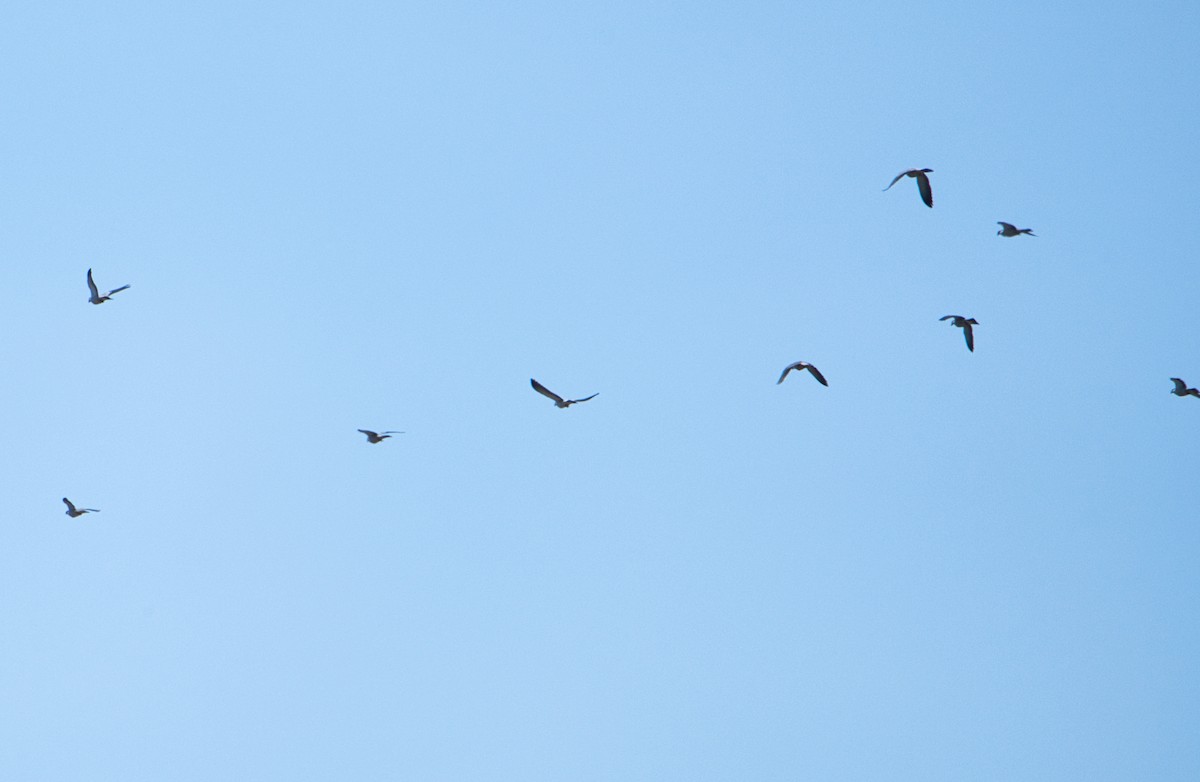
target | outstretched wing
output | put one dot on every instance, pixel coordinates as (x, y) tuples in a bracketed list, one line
[(586, 398), (787, 369), (948, 317), (391, 431), (369, 433), (70, 506), (1180, 388), (116, 290), (899, 176), (92, 286), (1006, 226), (926, 190), (541, 389), (817, 374), (969, 335)]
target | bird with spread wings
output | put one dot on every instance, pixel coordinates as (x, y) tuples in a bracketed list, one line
[(74, 512), (922, 183), (965, 324), (558, 400), (378, 437), (96, 298), (800, 365)]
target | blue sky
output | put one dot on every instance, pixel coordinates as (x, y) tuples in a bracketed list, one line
[(944, 566)]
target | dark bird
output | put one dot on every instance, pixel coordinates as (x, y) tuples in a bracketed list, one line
[(558, 400), (74, 512), (96, 298), (803, 365), (377, 437), (965, 324), (1181, 388), (1008, 229), (922, 183)]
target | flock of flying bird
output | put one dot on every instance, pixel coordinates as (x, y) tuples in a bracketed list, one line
[(924, 188)]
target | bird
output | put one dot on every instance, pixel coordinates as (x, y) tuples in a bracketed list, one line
[(378, 437), (1008, 229), (965, 324), (74, 512), (1181, 388), (922, 183), (558, 400), (96, 298), (803, 365)]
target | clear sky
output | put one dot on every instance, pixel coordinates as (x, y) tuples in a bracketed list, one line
[(944, 566)]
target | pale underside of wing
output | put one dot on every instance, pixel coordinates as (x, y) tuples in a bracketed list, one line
[(541, 389), (117, 290), (92, 286)]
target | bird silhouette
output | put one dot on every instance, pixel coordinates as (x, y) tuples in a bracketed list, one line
[(1181, 388), (922, 183), (799, 365), (74, 512), (1008, 229), (378, 437), (558, 400), (96, 298), (965, 324)]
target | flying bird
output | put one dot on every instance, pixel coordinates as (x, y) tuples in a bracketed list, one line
[(377, 437), (558, 400), (922, 183), (74, 512), (96, 298), (799, 365), (965, 324), (1181, 388), (1008, 229)]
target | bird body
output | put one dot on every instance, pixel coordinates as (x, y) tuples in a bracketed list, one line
[(378, 437), (558, 400), (1181, 389), (96, 298), (74, 512), (800, 365), (922, 183), (1008, 229), (965, 324)]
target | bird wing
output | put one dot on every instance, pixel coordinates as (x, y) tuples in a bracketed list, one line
[(116, 290), (391, 431), (817, 374), (70, 506), (92, 286), (369, 433), (586, 398), (969, 335), (926, 190), (949, 317), (897, 179), (1006, 226), (1180, 387), (541, 389), (787, 369)]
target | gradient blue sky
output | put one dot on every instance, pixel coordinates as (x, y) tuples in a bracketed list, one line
[(944, 566)]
